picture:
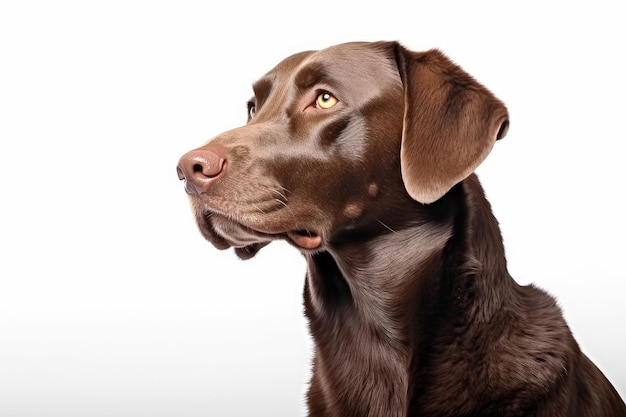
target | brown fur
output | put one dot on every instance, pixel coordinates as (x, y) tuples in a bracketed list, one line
[(411, 308)]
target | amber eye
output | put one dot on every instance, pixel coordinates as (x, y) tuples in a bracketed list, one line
[(325, 101)]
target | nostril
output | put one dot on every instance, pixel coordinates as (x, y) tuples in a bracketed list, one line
[(208, 166), (199, 168)]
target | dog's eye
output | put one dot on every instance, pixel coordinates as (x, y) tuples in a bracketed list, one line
[(251, 110), (325, 100)]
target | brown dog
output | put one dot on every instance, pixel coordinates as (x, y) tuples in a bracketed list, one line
[(362, 156)]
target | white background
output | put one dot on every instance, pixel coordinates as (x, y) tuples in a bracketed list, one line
[(111, 303)]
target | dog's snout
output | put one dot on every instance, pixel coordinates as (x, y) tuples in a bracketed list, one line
[(200, 168)]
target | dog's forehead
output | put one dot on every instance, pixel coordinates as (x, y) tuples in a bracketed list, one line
[(355, 61), (361, 53)]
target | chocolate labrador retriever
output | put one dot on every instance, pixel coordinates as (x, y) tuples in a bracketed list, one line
[(362, 156)]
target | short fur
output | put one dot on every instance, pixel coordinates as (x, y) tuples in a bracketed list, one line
[(411, 307)]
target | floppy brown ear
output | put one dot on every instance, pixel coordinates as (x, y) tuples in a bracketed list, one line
[(450, 123)]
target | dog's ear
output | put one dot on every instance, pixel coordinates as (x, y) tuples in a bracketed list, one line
[(450, 123)]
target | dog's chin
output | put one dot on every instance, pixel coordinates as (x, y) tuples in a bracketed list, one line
[(224, 233), (247, 252)]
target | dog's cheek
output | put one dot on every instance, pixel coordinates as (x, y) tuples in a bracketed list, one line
[(249, 251)]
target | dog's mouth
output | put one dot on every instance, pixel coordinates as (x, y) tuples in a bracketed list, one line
[(224, 232), (305, 239)]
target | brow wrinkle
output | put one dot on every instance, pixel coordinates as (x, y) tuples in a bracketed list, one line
[(311, 74)]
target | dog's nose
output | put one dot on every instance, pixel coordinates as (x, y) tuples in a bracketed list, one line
[(200, 168)]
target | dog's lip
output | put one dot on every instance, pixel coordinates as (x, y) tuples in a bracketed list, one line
[(305, 239)]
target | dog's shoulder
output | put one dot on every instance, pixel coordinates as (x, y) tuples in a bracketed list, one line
[(535, 345), (537, 358)]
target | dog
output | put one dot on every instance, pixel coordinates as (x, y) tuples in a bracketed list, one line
[(362, 156)]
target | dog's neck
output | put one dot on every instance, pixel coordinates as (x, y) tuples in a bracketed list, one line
[(457, 259), (378, 278), (360, 299)]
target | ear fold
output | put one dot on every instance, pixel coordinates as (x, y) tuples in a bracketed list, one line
[(450, 123)]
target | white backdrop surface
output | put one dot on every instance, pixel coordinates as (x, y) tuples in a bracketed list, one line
[(111, 303)]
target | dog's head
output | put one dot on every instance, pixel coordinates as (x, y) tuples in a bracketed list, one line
[(339, 142)]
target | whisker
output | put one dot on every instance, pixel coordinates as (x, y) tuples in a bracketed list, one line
[(387, 227), (259, 209), (289, 208), (283, 195)]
